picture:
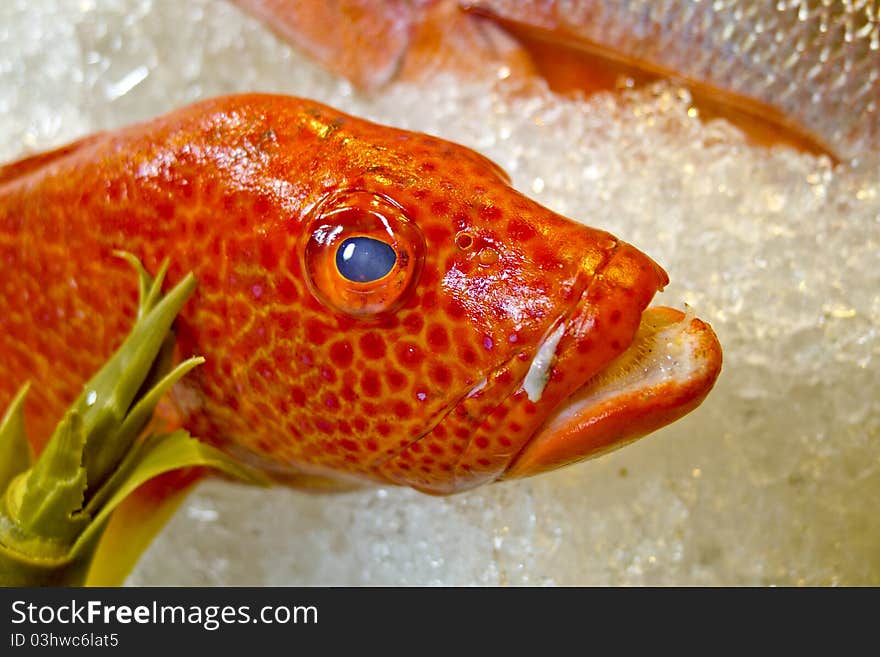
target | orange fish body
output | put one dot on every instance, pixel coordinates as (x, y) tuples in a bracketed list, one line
[(373, 304)]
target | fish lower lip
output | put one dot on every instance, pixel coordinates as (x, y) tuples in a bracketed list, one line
[(666, 372)]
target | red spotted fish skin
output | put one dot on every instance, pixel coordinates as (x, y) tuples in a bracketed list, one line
[(415, 379)]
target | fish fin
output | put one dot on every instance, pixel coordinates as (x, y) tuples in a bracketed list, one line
[(362, 40), (32, 163), (571, 63), (166, 418), (309, 483), (136, 522), (372, 43), (446, 38), (316, 482)]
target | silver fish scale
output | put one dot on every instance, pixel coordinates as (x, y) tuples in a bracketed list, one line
[(818, 61)]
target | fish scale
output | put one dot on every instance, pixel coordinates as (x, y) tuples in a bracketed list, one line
[(791, 55)]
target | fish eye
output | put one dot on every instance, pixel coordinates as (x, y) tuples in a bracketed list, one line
[(364, 259), (361, 254)]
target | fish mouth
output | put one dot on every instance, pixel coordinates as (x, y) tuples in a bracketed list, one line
[(668, 369)]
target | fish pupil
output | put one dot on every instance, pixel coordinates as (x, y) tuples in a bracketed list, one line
[(364, 259)]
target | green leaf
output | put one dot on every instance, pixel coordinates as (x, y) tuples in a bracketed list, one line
[(156, 455), (15, 450), (54, 511), (106, 399), (146, 297), (46, 501), (160, 454)]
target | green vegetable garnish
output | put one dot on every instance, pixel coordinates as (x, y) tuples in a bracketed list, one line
[(54, 510)]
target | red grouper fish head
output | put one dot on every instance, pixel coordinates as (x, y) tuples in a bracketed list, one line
[(401, 313), (380, 304)]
